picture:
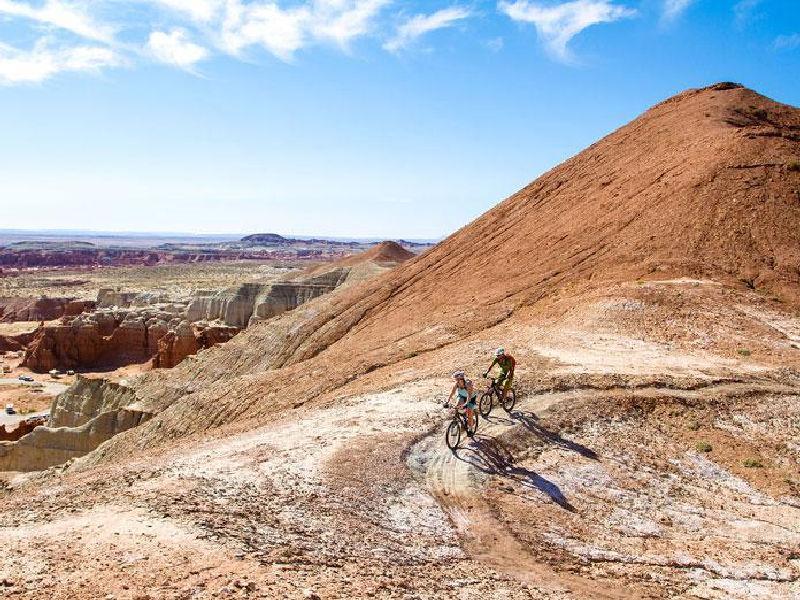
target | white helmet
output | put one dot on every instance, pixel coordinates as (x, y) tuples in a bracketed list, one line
[(500, 352), (459, 375)]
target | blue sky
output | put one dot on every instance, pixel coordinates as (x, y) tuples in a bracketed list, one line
[(340, 117)]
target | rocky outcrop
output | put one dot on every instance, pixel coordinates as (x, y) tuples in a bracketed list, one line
[(88, 413), (45, 447), (188, 339), (41, 309), (105, 338), (84, 416), (86, 399), (22, 429), (110, 298), (15, 343), (238, 306)]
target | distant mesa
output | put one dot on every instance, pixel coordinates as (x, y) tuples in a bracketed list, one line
[(264, 238), (47, 245)]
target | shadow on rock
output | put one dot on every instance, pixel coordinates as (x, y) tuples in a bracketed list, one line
[(531, 422), (493, 458)]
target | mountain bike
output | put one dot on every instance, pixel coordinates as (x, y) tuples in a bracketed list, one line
[(493, 394), (458, 426)]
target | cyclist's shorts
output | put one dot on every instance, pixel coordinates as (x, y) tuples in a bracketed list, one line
[(470, 404), (505, 380)]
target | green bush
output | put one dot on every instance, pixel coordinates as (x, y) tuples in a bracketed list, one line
[(693, 426), (703, 447), (744, 352), (793, 165), (752, 463)]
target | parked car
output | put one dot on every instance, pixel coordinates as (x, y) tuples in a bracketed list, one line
[(10, 409), (25, 378)]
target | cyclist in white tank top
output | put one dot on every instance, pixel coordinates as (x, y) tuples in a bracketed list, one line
[(465, 391)]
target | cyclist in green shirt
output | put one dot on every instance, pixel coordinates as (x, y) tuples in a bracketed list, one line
[(506, 363)]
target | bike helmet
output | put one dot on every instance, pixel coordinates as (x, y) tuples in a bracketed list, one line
[(500, 352), (459, 375)]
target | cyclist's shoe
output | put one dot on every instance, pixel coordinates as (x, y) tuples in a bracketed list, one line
[(470, 434)]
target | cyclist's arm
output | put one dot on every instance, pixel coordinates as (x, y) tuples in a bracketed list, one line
[(470, 390), (494, 362), (513, 365), (450, 397)]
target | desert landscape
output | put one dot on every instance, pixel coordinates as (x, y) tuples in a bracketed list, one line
[(263, 417)]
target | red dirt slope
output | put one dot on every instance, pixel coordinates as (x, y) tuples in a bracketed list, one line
[(701, 185)]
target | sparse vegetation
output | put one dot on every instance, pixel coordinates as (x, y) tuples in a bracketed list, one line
[(693, 426), (760, 114), (793, 166), (703, 447), (744, 352), (752, 463)]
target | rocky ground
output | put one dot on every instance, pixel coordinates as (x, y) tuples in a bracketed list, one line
[(640, 469)]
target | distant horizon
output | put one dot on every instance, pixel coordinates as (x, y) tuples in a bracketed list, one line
[(83, 233)]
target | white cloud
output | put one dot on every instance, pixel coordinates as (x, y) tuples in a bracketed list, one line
[(284, 31), (185, 32), (43, 61), (344, 20), (280, 31), (419, 25), (787, 42), (62, 15), (557, 24), (175, 48), (201, 11), (674, 8)]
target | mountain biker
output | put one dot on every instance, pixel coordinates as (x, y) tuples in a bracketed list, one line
[(466, 398), (506, 363)]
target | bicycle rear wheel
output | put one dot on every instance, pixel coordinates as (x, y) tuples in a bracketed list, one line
[(453, 434), (485, 404), (510, 400)]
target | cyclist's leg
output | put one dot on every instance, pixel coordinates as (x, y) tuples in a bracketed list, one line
[(471, 406), (501, 386)]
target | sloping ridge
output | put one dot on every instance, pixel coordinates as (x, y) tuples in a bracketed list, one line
[(704, 184)]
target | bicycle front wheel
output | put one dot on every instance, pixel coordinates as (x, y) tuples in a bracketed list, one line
[(453, 434), (485, 404)]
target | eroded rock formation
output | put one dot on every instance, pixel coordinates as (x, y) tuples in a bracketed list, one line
[(41, 309), (87, 414), (188, 339)]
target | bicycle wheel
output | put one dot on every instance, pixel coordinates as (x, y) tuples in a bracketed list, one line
[(453, 434), (485, 404), (510, 400)]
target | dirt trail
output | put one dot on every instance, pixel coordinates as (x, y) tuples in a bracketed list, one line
[(457, 481)]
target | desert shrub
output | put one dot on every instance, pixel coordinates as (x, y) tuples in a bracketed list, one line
[(760, 114), (693, 426), (744, 352), (703, 447), (794, 165), (752, 463)]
